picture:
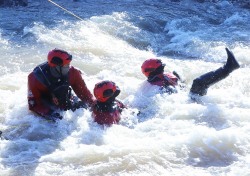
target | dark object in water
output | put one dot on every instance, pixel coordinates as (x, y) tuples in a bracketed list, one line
[(10, 3), (1, 134)]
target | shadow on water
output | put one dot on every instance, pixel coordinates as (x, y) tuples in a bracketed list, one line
[(210, 158), (204, 149), (212, 117), (212, 151), (26, 143)]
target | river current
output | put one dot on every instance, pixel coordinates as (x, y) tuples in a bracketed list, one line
[(109, 41)]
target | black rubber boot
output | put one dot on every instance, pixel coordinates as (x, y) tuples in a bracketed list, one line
[(232, 63), (201, 84)]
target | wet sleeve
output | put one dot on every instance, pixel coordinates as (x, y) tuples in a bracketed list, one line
[(80, 88), (120, 105), (171, 78), (34, 97)]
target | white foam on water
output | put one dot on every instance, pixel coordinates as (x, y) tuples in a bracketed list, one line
[(171, 134)]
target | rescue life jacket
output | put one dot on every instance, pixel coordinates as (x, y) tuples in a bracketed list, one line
[(167, 82), (107, 113), (60, 90)]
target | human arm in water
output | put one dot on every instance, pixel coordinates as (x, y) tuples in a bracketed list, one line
[(36, 94), (79, 87)]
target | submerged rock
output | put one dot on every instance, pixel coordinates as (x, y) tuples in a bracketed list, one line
[(246, 5), (241, 3), (10, 3)]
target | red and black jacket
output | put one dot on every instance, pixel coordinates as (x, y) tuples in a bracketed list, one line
[(167, 82), (107, 113), (43, 88)]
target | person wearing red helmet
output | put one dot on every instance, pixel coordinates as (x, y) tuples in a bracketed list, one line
[(153, 69), (107, 109), (50, 85)]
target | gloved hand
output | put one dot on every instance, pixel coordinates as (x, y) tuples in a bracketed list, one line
[(54, 116), (177, 75), (169, 90), (78, 105)]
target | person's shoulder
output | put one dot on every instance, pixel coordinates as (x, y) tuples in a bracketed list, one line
[(120, 104), (38, 72), (31, 75), (75, 70), (43, 67), (170, 75)]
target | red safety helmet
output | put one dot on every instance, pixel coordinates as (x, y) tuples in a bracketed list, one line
[(105, 90), (57, 57), (150, 65)]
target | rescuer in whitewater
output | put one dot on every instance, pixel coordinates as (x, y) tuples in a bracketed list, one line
[(51, 83), (153, 69), (107, 109)]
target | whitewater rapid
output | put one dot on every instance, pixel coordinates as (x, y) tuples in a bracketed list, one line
[(172, 135)]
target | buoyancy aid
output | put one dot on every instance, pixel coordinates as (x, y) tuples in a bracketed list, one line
[(60, 90), (167, 82), (107, 113), (40, 99)]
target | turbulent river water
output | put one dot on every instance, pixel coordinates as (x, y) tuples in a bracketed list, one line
[(172, 135)]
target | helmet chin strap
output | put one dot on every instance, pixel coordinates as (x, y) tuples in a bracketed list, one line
[(55, 72)]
